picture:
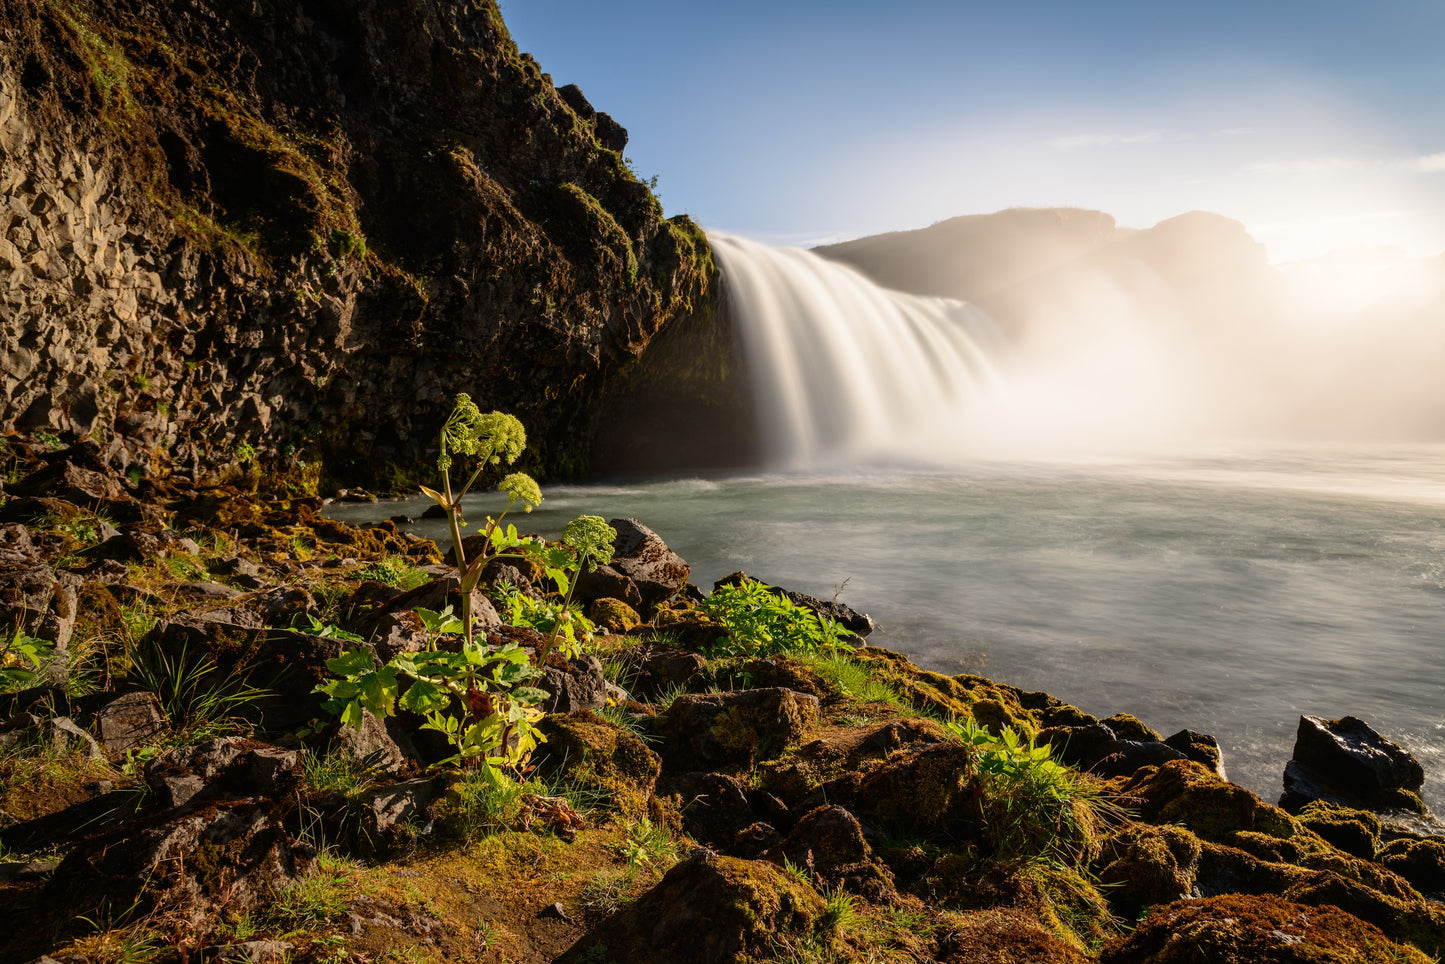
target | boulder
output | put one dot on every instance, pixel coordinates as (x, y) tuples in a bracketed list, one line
[(1201, 748), (708, 909), (607, 582), (230, 766), (394, 809), (377, 744), (130, 720), (578, 686), (721, 730), (593, 754), (1420, 860), (1346, 763), (235, 854), (1235, 929), (714, 806), (42, 602), (613, 614), (16, 549), (829, 843), (642, 556)]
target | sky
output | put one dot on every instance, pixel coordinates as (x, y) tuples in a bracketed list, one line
[(1318, 124)]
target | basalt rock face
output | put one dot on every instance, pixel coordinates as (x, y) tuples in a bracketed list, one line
[(301, 226)]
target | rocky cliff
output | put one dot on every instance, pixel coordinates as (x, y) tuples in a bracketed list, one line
[(298, 227)]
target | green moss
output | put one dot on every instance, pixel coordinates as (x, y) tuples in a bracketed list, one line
[(592, 754)]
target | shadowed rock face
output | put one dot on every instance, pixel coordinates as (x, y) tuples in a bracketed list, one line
[(303, 227)]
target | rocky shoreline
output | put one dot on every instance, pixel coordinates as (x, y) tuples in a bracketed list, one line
[(174, 790)]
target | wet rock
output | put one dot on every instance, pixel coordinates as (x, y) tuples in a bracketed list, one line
[(130, 720), (1236, 929), (1345, 762), (642, 556), (1201, 748), (708, 909), (594, 754), (719, 730), (580, 686)]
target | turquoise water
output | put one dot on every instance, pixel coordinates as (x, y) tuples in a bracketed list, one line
[(1228, 593)]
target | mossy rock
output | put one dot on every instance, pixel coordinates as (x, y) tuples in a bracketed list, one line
[(1421, 861), (1356, 832), (1236, 929), (1190, 795), (959, 697), (735, 730), (615, 614), (1059, 899), (592, 754), (1003, 937), (1127, 726), (709, 908), (1143, 866), (925, 790)]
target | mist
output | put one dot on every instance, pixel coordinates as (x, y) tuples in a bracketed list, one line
[(1108, 340)]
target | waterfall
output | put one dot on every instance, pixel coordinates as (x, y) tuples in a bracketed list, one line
[(844, 369)]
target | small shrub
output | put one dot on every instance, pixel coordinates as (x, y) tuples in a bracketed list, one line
[(759, 623)]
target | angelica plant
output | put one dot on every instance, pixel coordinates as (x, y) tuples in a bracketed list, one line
[(589, 539), (488, 439)]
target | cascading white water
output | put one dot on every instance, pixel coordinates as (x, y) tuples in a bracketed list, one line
[(843, 368)]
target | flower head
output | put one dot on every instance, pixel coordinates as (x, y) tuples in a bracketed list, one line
[(521, 487), (494, 437), (592, 539)]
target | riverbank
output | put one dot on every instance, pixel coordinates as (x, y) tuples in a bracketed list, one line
[(701, 794)]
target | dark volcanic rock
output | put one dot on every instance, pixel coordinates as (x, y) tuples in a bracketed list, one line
[(719, 730), (393, 205), (1345, 762), (708, 909), (642, 556)]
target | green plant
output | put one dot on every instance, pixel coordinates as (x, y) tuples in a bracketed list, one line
[(491, 439), (1032, 808), (198, 698), (478, 699), (309, 624), (557, 619), (590, 539), (244, 452), (395, 571), (50, 440), (141, 381), (22, 660), (759, 623)]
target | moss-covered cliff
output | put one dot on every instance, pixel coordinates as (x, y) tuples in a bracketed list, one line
[(300, 226)]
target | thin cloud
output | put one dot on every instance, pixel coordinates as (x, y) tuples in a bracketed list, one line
[(1430, 163), (1076, 141), (1424, 164), (1308, 165)]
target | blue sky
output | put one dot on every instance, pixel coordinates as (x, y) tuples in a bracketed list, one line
[(1318, 124)]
